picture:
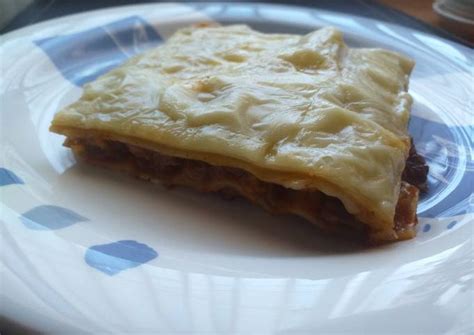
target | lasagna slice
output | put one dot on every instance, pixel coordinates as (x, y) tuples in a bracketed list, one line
[(296, 124)]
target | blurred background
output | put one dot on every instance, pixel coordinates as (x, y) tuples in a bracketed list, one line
[(452, 19)]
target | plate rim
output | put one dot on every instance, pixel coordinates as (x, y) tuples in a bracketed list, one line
[(48, 22), (24, 30)]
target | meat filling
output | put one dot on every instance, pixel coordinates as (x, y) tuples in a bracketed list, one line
[(319, 208), (416, 170)]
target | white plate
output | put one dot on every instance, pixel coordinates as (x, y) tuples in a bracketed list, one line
[(86, 250)]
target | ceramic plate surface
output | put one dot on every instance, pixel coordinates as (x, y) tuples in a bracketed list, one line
[(85, 250)]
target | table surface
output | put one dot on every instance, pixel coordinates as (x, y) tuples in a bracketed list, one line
[(416, 14), (423, 10)]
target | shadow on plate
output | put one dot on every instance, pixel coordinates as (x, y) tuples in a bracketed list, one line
[(183, 219)]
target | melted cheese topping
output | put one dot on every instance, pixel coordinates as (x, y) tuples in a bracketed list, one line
[(300, 111)]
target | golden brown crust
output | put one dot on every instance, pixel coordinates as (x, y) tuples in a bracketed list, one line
[(307, 113)]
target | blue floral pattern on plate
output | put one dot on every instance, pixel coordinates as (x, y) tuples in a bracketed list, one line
[(8, 177), (83, 56), (49, 217), (118, 256)]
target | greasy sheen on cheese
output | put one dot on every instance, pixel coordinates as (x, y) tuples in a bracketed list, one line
[(305, 112)]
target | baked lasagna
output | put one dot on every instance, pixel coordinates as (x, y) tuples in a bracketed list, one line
[(296, 124)]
